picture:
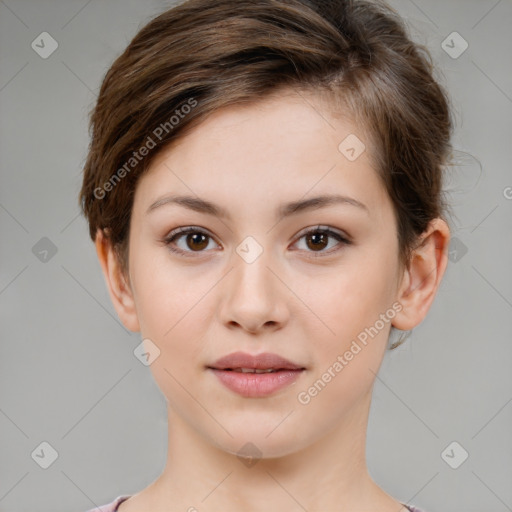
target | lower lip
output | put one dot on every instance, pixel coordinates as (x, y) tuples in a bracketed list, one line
[(255, 385)]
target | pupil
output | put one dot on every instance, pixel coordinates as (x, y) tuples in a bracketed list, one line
[(197, 237), (315, 237)]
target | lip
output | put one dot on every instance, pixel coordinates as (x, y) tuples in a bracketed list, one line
[(265, 360), (255, 385)]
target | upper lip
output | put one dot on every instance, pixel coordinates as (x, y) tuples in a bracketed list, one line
[(263, 361)]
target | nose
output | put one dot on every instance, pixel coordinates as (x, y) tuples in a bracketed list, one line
[(254, 297)]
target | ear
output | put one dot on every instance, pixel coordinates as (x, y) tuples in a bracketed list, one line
[(118, 287), (421, 281)]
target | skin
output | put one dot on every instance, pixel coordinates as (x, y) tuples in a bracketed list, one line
[(249, 159)]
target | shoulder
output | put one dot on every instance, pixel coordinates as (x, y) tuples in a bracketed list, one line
[(411, 508), (110, 507)]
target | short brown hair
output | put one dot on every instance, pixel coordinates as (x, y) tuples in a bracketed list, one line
[(207, 54)]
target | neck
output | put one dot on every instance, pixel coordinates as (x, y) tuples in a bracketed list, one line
[(329, 474)]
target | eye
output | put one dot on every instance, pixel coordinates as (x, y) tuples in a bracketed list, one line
[(195, 240), (317, 240)]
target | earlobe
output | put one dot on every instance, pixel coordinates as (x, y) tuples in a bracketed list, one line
[(421, 281), (119, 289)]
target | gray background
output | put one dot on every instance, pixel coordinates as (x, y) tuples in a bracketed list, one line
[(68, 375)]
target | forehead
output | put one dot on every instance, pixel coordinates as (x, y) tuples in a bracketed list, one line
[(288, 144)]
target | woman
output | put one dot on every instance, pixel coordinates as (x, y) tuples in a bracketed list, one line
[(263, 187)]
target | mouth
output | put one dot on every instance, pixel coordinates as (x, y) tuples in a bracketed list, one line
[(255, 376), (250, 370)]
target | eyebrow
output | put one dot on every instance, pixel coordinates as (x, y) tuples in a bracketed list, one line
[(285, 210)]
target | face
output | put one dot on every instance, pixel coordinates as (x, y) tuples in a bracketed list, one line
[(314, 285)]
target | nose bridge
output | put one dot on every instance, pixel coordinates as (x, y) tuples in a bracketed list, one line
[(254, 298), (252, 272)]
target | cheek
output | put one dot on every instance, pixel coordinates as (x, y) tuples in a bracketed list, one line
[(352, 299), (163, 292), (345, 363), (357, 311), (170, 306), (170, 302)]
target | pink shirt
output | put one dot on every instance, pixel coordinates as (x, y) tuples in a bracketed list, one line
[(112, 507)]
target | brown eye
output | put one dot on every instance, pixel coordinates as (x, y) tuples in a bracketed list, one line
[(318, 239), (194, 241), (197, 241)]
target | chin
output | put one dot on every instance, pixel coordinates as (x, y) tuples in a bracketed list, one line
[(254, 439)]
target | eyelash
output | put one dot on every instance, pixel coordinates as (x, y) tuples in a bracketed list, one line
[(179, 232)]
